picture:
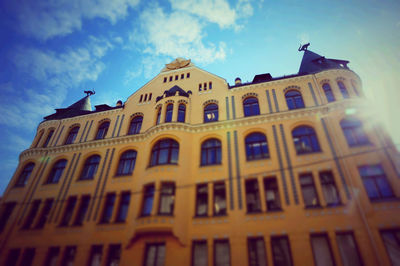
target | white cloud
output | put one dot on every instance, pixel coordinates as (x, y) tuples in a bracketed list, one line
[(45, 19)]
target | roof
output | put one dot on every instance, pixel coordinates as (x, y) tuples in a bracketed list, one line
[(313, 63), (172, 92)]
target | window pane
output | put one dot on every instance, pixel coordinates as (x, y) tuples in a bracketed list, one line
[(272, 194), (96, 254), (256, 249), (200, 253), (222, 253), (281, 251), (52, 256), (392, 244), (348, 250), (321, 250)]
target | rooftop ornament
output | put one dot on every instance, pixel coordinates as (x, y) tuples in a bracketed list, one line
[(304, 47), (89, 93)]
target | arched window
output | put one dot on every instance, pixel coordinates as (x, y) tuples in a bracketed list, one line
[(49, 135), (39, 138), (56, 171), (211, 113), (256, 146), (211, 152), (353, 131), (72, 135), (136, 125), (294, 100), (354, 85), (250, 106), (168, 113), (127, 163), (25, 174), (343, 89), (90, 167), (181, 113), (102, 131), (305, 140), (165, 151), (328, 92), (158, 118)]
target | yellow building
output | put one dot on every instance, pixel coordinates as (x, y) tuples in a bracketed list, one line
[(193, 171)]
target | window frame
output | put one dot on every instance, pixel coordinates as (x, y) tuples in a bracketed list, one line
[(330, 97), (102, 130), (353, 131), (172, 147), (275, 191), (123, 159), (24, 175), (48, 138), (67, 257), (181, 113), (395, 232), (136, 125), (108, 208), (294, 101), (212, 109), (356, 247), (94, 249), (6, 210), (44, 213), (309, 135), (251, 149), (343, 89), (221, 241), (82, 210), (52, 252), (215, 149), (374, 177), (30, 218), (251, 106), (274, 255), (68, 212), (252, 189), (326, 237), (222, 192), (169, 112), (148, 195), (201, 195), (166, 195), (157, 245), (331, 183), (72, 134), (249, 242), (92, 161), (124, 202), (309, 185), (198, 243), (158, 116), (57, 171)]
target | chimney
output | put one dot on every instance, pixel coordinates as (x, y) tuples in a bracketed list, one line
[(238, 81)]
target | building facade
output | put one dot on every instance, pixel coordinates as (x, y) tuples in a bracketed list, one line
[(193, 171)]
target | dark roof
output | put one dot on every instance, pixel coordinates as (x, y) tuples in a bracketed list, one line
[(262, 78), (313, 63), (172, 92)]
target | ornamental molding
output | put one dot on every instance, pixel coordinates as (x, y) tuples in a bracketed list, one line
[(249, 94), (209, 102), (183, 101), (340, 79), (104, 120), (136, 114), (74, 125), (292, 87), (322, 82)]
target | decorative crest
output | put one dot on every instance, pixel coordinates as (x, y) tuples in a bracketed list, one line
[(304, 47), (88, 93)]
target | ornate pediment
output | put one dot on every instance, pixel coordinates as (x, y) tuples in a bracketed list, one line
[(176, 64)]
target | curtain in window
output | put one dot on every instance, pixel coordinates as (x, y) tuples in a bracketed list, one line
[(348, 250), (321, 250), (391, 239)]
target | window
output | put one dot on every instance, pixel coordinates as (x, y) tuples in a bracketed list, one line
[(329, 189), (46, 142), (141, 98), (354, 132), (102, 131), (205, 86), (126, 163), (187, 75), (155, 254), (96, 253), (165, 151), (211, 113), (45, 213), (69, 211), (250, 106), (219, 199), (39, 139), (108, 208), (90, 167), (72, 135), (151, 94), (12, 257), (199, 253), (168, 113), (31, 215), (281, 254), (52, 256), (56, 172), (6, 211), (25, 174), (83, 207), (322, 250), (165, 79), (202, 200), (210, 85), (136, 125), (348, 249), (211, 152), (200, 85), (167, 198), (273, 201), (222, 252), (375, 182), (182, 76), (158, 118), (170, 78), (391, 239), (328, 92), (114, 255), (310, 196), (176, 77), (343, 89), (305, 140), (181, 113), (256, 248), (69, 256), (123, 207), (294, 100), (256, 146), (148, 198), (354, 85), (27, 257), (145, 97), (252, 196)]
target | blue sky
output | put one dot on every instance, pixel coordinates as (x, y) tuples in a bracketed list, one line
[(53, 50)]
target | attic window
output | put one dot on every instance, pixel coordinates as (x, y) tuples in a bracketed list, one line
[(145, 97), (170, 78), (141, 98), (199, 86), (182, 76), (165, 79), (210, 85), (188, 75), (176, 77), (150, 96), (205, 85)]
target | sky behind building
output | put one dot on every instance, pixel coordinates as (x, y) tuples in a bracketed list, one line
[(51, 51)]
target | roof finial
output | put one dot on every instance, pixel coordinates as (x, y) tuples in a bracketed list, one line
[(304, 47), (88, 93)]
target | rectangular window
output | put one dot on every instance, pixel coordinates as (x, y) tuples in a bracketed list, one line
[(5, 213), (210, 85), (310, 196), (200, 87), (202, 200), (167, 198), (391, 239), (256, 248), (114, 255), (281, 254), (96, 253), (219, 199), (205, 85), (46, 142), (52, 256), (273, 201), (187, 75), (329, 189), (141, 98), (123, 206), (221, 253), (83, 207), (199, 253), (69, 211), (27, 257), (151, 94), (375, 182), (69, 256), (252, 196), (12, 257), (182, 76), (148, 198), (45, 213), (322, 250), (176, 77), (31, 215), (348, 249), (155, 254), (170, 78), (165, 79), (108, 208), (145, 97)]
